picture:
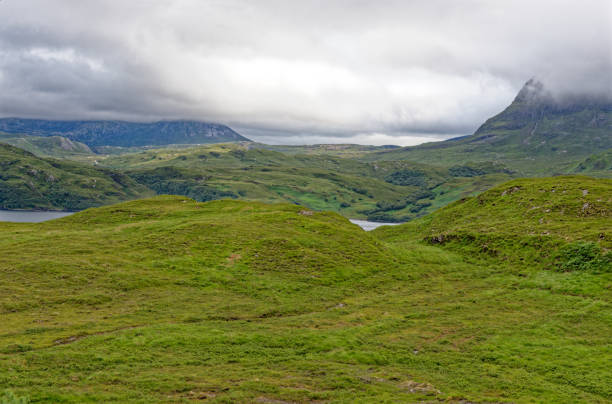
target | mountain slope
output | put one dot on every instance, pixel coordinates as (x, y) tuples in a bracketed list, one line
[(30, 182), (124, 134), (52, 146), (535, 134), (599, 165)]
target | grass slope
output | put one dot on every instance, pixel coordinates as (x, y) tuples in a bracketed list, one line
[(30, 182), (597, 165), (560, 223), (169, 300), (384, 191), (52, 146), (338, 150)]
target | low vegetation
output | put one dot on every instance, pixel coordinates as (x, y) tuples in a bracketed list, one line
[(30, 182), (385, 191), (171, 300), (52, 146)]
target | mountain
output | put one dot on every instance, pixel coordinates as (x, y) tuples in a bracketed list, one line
[(51, 146), (30, 182), (125, 134), (537, 133)]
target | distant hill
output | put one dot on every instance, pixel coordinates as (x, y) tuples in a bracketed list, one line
[(535, 134), (386, 191), (124, 134), (51, 146), (30, 182), (599, 164), (339, 150)]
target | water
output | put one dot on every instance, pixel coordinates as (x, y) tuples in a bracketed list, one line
[(367, 226), (26, 216)]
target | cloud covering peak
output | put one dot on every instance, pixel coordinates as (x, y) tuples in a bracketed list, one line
[(298, 72)]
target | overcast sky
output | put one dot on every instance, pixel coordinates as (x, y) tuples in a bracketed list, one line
[(298, 71)]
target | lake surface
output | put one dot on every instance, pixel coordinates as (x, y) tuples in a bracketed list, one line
[(25, 216), (367, 226)]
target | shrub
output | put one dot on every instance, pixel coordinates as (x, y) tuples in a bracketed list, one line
[(407, 177), (583, 256), (391, 205)]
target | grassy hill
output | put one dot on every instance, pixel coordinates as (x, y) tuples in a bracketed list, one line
[(339, 150), (597, 165), (169, 300), (30, 182), (536, 134), (52, 146), (540, 220), (383, 191)]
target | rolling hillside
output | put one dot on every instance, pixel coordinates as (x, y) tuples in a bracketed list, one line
[(599, 165), (52, 146), (30, 182), (382, 191), (538, 221), (169, 300)]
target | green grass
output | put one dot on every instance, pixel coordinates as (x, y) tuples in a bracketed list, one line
[(30, 182), (169, 300), (52, 146), (526, 219), (566, 207), (387, 191), (338, 150), (597, 165)]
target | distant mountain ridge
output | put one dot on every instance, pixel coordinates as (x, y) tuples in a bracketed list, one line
[(123, 133), (537, 132)]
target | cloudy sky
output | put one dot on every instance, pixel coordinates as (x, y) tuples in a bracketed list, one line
[(298, 71)]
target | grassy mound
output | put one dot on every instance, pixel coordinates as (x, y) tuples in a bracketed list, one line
[(563, 222), (170, 300)]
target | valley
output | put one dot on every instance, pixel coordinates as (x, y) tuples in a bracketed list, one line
[(230, 272), (305, 202)]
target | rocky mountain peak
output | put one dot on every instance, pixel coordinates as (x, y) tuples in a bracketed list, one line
[(533, 92)]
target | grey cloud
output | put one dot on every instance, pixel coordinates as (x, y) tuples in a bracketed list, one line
[(300, 70)]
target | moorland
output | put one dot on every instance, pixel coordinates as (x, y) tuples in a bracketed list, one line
[(229, 272)]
